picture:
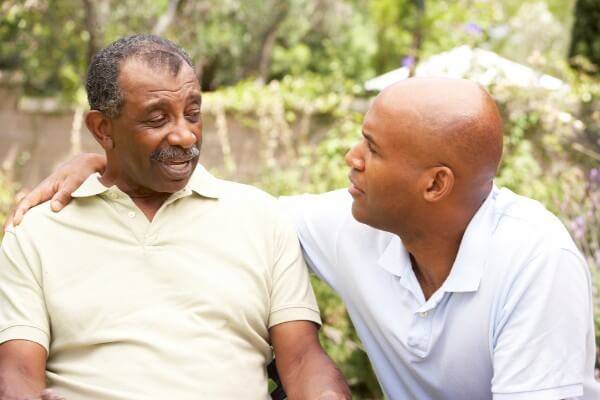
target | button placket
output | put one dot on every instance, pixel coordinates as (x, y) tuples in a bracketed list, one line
[(420, 332)]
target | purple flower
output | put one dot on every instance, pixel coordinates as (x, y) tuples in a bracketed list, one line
[(473, 29), (408, 61)]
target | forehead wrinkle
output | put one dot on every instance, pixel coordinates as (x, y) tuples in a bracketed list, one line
[(136, 76), (180, 88)]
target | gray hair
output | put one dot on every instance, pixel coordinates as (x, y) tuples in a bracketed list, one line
[(102, 83)]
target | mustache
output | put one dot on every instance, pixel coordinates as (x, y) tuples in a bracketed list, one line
[(174, 153)]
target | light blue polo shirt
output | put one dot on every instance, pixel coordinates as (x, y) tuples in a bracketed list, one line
[(513, 320)]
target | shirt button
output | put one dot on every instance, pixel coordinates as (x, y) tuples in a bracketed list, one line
[(131, 214), (113, 195), (423, 314)]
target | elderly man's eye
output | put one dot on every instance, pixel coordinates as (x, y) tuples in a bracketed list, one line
[(193, 116), (157, 120)]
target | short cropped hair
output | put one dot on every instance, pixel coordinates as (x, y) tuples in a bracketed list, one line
[(102, 83)]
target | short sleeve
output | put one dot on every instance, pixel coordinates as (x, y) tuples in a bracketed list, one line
[(23, 312), (292, 296), (318, 220), (540, 343)]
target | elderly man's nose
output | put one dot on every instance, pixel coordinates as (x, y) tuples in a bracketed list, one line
[(182, 136)]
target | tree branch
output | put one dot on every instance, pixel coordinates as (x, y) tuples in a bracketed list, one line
[(261, 63), (165, 20), (92, 27)]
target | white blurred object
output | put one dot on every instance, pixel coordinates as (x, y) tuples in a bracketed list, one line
[(482, 66)]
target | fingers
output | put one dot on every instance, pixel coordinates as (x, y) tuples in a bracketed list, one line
[(63, 195), (41, 193), (50, 394), (20, 196), (331, 395), (47, 394)]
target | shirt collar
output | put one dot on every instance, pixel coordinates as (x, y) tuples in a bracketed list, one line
[(468, 267), (394, 258), (204, 184), (467, 270), (90, 187), (201, 182)]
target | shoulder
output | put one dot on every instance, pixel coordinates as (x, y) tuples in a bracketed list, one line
[(42, 225), (531, 248), (327, 211), (231, 191), (36, 226), (36, 218), (526, 224), (253, 207)]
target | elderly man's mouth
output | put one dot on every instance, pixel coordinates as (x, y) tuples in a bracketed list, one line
[(176, 170)]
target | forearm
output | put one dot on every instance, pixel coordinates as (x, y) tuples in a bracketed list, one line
[(313, 375), (18, 382), (22, 370)]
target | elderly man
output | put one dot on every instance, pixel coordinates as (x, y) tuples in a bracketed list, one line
[(156, 284), (458, 289)]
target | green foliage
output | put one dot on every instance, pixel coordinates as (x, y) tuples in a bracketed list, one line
[(50, 55), (585, 39)]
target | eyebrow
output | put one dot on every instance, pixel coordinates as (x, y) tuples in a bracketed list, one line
[(196, 98), (153, 105)]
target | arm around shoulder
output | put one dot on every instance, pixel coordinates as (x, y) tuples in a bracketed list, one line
[(60, 184)]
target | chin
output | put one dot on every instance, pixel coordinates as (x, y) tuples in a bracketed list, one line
[(171, 186), (167, 180), (359, 213), (374, 220)]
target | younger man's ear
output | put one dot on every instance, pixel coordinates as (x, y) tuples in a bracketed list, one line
[(101, 127), (440, 181)]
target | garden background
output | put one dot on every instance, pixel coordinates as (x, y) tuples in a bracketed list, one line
[(284, 95)]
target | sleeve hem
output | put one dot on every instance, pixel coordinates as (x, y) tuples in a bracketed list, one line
[(26, 332), (294, 314), (562, 392)]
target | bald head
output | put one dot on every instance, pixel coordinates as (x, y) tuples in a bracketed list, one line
[(451, 122), (430, 151)]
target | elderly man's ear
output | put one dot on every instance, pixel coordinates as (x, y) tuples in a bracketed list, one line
[(101, 127), (439, 183)]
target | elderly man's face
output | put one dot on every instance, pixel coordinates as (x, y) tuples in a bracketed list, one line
[(158, 134)]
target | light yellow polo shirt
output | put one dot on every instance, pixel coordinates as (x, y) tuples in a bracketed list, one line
[(178, 308)]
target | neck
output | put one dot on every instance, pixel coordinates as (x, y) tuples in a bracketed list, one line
[(148, 201), (434, 249), (435, 245), (432, 261)]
